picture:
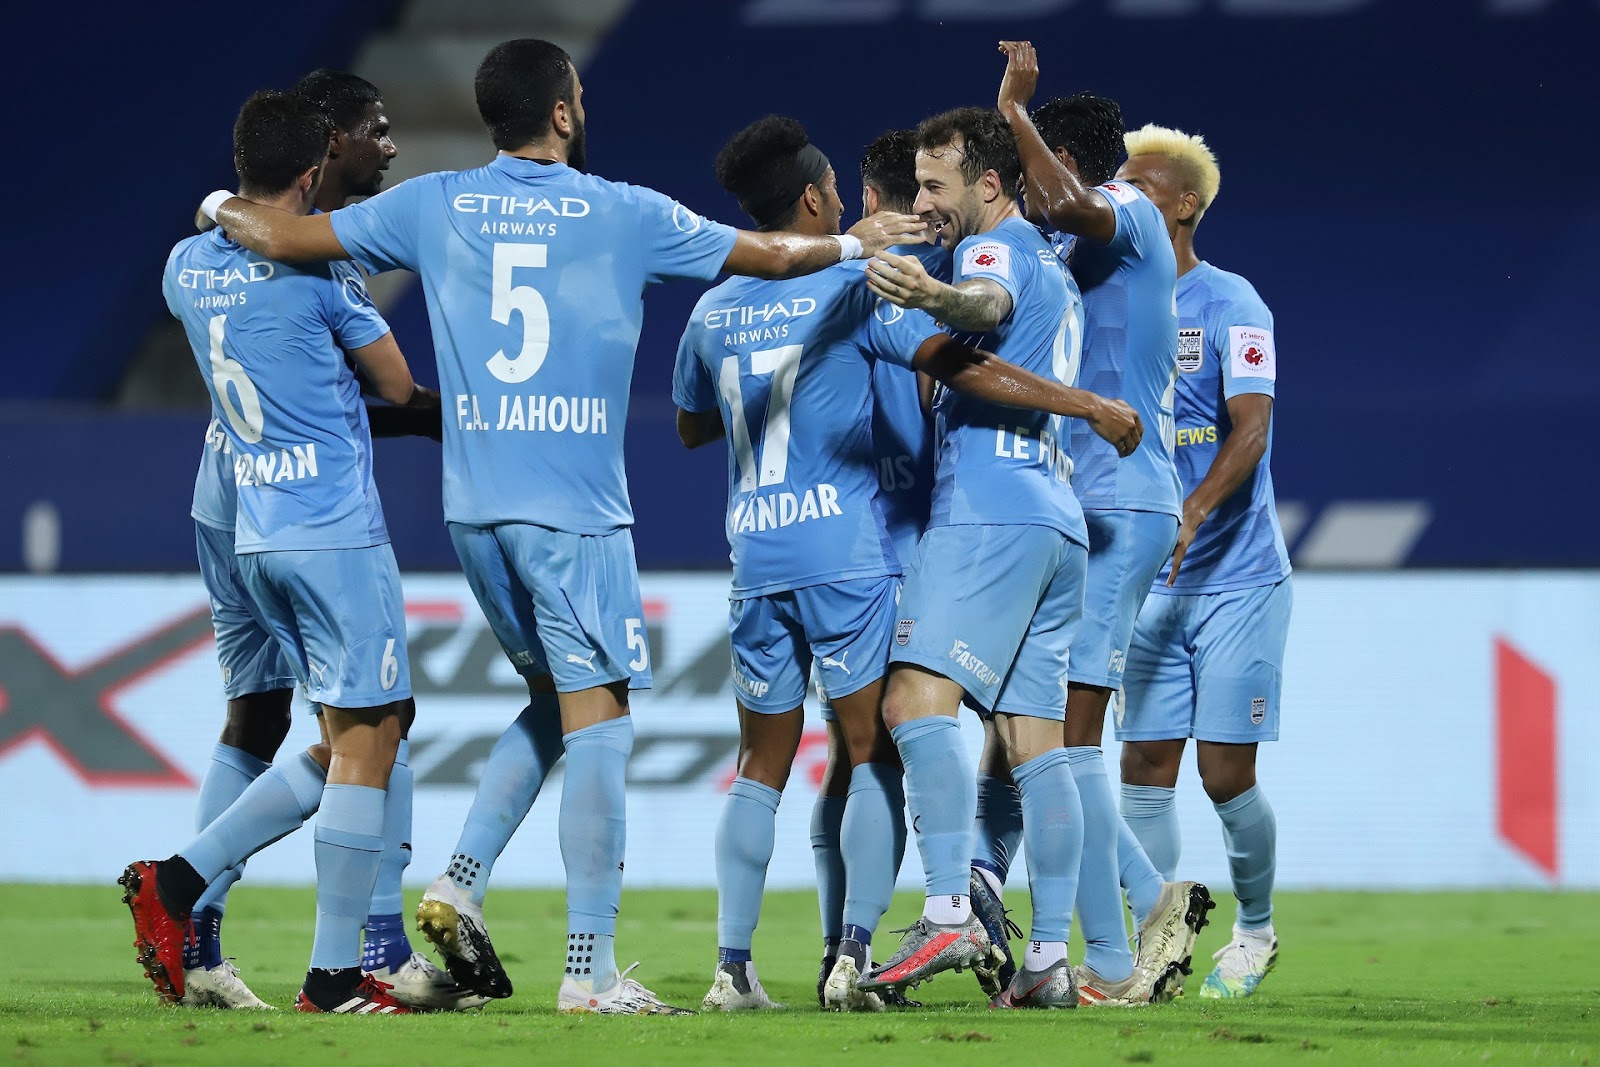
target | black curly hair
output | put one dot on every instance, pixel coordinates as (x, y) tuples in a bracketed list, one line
[(756, 160), (1089, 127), (890, 166)]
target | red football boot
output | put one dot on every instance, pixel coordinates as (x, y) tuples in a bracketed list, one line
[(158, 933)]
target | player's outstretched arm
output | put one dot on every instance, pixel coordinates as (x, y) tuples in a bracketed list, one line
[(696, 428), (386, 368), (386, 420), (778, 254), (275, 233), (988, 377), (1052, 191), (977, 305), (1246, 443)]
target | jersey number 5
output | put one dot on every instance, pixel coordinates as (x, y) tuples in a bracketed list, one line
[(782, 364), (506, 298)]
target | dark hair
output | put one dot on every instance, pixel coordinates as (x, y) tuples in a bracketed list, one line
[(518, 84), (341, 96), (890, 166), (1089, 127), (987, 143), (277, 138), (757, 162)]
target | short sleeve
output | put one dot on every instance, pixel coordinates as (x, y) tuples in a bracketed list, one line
[(169, 292), (986, 257), (1242, 338), (353, 318), (382, 233), (677, 243), (1125, 200), (893, 334), (692, 387)]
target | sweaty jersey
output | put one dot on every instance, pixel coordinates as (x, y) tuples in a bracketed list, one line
[(902, 436), (1001, 465), (789, 366), (216, 498), (1129, 344), (534, 275), (1225, 348), (269, 339)]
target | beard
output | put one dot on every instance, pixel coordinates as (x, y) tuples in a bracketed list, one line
[(577, 147)]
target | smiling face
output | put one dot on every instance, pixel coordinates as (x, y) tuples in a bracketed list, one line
[(950, 206)]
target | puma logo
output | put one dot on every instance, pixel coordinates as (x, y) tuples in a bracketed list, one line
[(829, 661), (573, 657)]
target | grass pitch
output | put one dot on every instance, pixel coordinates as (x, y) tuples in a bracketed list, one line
[(1383, 978)]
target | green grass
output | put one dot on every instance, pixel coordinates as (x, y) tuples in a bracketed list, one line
[(1380, 978)]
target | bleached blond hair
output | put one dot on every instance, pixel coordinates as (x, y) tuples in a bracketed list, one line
[(1195, 162)]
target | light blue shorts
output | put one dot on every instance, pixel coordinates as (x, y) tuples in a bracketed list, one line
[(340, 618), (250, 657), (843, 627), (1207, 666), (996, 609), (1126, 551), (561, 604)]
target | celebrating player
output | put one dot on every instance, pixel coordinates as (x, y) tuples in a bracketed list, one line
[(902, 442), (313, 551), (534, 274), (1112, 239), (1207, 654), (784, 371), (996, 592)]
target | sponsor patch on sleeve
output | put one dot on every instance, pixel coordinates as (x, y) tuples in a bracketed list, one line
[(1121, 192), (1190, 349), (987, 257), (1253, 354)]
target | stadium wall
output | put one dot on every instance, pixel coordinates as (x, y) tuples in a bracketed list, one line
[(1439, 731)]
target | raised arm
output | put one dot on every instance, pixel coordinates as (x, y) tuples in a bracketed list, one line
[(277, 234), (977, 305), (1246, 443), (988, 377), (778, 254), (1053, 192)]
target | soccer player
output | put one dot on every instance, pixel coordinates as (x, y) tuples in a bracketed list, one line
[(996, 592), (313, 551), (1207, 654), (534, 274), (1112, 239), (783, 370), (257, 679)]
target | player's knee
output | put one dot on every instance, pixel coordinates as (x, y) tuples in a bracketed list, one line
[(257, 723), (1228, 781), (1151, 763), (322, 753)]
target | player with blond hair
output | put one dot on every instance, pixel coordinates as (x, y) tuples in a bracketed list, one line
[(1206, 660)]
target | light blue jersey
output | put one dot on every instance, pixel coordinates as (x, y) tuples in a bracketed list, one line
[(1225, 348), (1129, 344), (534, 275), (902, 434), (216, 498), (269, 340), (789, 366), (1000, 465)]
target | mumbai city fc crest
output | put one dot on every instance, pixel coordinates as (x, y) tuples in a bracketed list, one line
[(902, 631), (1189, 350), (1258, 710)]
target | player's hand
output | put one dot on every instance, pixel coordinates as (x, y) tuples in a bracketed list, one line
[(887, 229), (1192, 518), (902, 280), (202, 222), (1022, 74), (1118, 423)]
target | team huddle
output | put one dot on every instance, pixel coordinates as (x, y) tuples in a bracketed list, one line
[(1004, 443)]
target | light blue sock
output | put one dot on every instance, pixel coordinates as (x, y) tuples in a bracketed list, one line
[(873, 838), (1151, 812), (593, 833), (1138, 875), (275, 804), (386, 894), (227, 777), (349, 847), (516, 769), (1052, 832), (942, 795), (743, 849), (1101, 917), (827, 818), (1250, 832), (998, 832)]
